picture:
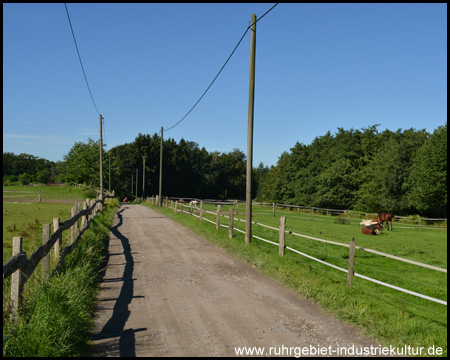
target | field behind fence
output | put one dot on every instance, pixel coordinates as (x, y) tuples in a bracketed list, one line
[(20, 267), (408, 264)]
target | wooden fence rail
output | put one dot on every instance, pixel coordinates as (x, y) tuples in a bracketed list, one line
[(21, 268)]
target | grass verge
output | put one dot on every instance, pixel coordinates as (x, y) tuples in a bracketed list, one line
[(381, 313), (56, 315)]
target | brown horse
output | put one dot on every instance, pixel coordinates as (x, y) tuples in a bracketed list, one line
[(385, 217), (370, 229)]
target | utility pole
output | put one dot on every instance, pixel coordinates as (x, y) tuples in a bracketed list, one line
[(132, 182), (143, 178), (101, 160), (136, 183), (109, 187), (251, 103), (160, 169)]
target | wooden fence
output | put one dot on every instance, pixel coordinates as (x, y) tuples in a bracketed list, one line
[(20, 268)]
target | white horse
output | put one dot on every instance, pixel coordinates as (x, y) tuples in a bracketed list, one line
[(192, 203), (368, 222)]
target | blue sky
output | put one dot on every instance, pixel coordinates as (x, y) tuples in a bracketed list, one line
[(318, 67)]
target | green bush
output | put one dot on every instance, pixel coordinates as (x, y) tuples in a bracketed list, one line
[(89, 193), (25, 179), (341, 219)]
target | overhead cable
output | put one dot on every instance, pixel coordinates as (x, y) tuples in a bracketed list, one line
[(229, 57), (79, 57)]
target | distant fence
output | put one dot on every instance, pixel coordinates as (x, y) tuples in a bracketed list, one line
[(183, 207), (316, 213), (356, 216), (20, 268), (9, 196)]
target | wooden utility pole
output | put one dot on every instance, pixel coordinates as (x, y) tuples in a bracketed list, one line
[(251, 103), (137, 182), (143, 178), (160, 168), (109, 183), (101, 160)]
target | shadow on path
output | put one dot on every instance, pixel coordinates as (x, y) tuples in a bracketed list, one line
[(115, 325)]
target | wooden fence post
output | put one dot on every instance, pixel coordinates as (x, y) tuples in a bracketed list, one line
[(74, 229), (46, 258), (351, 263), (88, 216), (201, 211), (281, 235), (273, 209), (230, 225), (218, 217), (175, 208), (16, 279), (84, 217), (58, 243)]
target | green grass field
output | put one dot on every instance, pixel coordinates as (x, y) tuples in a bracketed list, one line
[(55, 318), (27, 218), (49, 193), (395, 318)]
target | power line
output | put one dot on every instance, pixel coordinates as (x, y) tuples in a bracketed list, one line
[(229, 57), (79, 57)]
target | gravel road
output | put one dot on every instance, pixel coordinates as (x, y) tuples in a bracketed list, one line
[(168, 292)]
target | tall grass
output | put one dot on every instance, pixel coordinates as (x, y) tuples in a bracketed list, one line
[(56, 315)]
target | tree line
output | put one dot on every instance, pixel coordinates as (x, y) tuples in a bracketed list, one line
[(404, 172), (188, 170), (26, 169)]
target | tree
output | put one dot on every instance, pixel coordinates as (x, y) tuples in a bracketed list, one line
[(15, 165), (428, 178), (82, 164), (43, 176), (336, 186)]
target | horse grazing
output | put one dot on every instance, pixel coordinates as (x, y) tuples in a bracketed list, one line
[(385, 217), (372, 229), (193, 202)]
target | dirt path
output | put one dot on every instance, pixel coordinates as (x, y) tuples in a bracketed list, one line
[(168, 292)]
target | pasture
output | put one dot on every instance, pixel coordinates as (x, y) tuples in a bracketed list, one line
[(394, 317), (24, 217), (56, 316)]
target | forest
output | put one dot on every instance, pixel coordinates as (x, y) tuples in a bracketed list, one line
[(404, 172)]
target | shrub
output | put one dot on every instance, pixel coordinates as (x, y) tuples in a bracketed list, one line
[(91, 194), (25, 179), (341, 219)]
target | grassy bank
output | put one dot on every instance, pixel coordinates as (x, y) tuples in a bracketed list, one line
[(56, 316), (393, 318)]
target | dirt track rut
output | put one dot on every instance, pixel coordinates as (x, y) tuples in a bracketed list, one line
[(168, 292)]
